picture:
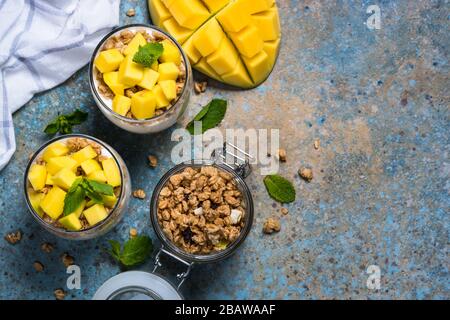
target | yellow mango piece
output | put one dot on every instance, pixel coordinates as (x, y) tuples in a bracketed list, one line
[(169, 88), (215, 5), (189, 14), (180, 33), (191, 51), (268, 24), (112, 172), (95, 214), (90, 203), (133, 45), (168, 71), (238, 77), (208, 38), (168, 3), (271, 48), (97, 176), (143, 104), (53, 202), (149, 79), (109, 201), (254, 6), (248, 41), (84, 154), (56, 164), (158, 12), (71, 222), (49, 180), (258, 66), (155, 66), (37, 175), (234, 17), (56, 149), (225, 58), (160, 98), (90, 166), (64, 178), (130, 73), (121, 104), (112, 81), (204, 67), (35, 201), (108, 60), (171, 52)]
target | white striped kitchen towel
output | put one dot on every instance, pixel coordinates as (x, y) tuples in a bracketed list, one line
[(42, 43)]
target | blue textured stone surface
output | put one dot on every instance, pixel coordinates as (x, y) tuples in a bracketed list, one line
[(377, 100)]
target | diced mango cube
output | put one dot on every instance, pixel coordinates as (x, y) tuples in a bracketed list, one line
[(64, 178), (71, 222), (130, 73), (108, 60), (56, 149), (37, 175), (95, 214), (191, 51), (160, 98), (189, 14), (158, 11), (143, 104), (53, 202), (234, 17), (215, 5), (155, 66), (258, 66), (35, 201), (248, 41), (204, 67), (168, 71), (112, 81), (254, 6), (84, 154), (55, 164), (121, 104), (169, 88), (112, 172), (268, 24), (208, 38), (97, 176), (133, 45), (109, 201), (239, 76), (149, 79), (178, 32), (49, 180), (225, 58), (171, 52), (90, 166)]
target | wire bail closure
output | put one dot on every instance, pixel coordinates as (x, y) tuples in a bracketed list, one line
[(233, 157), (180, 276)]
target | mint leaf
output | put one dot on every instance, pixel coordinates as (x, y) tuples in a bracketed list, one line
[(64, 123), (82, 188), (135, 251), (210, 115), (148, 54), (115, 249), (279, 188), (100, 187), (77, 117), (73, 199), (52, 128)]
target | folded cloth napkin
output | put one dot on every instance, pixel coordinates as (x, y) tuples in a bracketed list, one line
[(42, 43)]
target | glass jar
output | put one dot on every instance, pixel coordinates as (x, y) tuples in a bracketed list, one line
[(159, 122), (114, 215)]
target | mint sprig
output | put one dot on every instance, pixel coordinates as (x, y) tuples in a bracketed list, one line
[(148, 54), (82, 188), (210, 116), (64, 123), (279, 188), (134, 252)]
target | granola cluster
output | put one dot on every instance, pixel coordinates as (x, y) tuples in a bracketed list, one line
[(201, 209)]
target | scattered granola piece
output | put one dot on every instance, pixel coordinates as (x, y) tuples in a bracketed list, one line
[(139, 193), (153, 161), (200, 87), (67, 259), (317, 144), (271, 225), (282, 155), (14, 237), (131, 12), (59, 294), (38, 266), (133, 232), (306, 174), (284, 211), (47, 247)]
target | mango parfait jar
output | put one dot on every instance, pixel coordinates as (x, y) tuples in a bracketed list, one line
[(77, 187), (140, 78)]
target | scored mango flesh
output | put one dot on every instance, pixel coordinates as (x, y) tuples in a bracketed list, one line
[(233, 41)]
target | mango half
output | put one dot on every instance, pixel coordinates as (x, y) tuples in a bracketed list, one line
[(233, 41)]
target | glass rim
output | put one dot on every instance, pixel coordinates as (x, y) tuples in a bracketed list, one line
[(27, 198), (97, 94), (202, 258)]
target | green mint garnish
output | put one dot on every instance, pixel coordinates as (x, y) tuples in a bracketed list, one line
[(82, 188), (135, 251), (64, 123), (279, 188), (148, 54), (210, 116)]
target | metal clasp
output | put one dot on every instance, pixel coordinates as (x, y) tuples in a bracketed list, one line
[(239, 159), (180, 276)]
